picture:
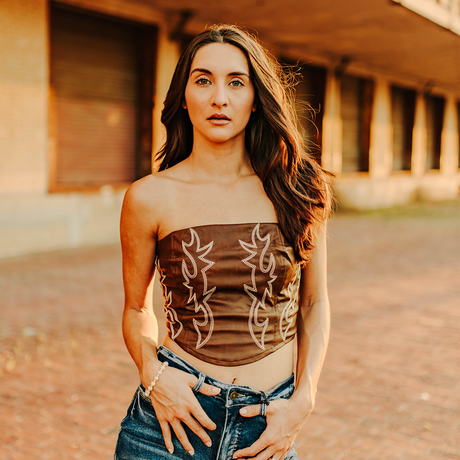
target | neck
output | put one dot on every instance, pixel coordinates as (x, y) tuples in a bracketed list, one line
[(225, 163)]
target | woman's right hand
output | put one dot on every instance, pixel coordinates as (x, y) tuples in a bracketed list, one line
[(174, 404)]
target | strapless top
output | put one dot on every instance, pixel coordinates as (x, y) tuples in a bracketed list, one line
[(230, 290)]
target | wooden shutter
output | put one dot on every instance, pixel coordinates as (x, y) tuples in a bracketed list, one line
[(403, 112), (356, 110), (94, 81)]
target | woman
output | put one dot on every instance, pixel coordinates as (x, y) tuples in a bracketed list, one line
[(234, 224)]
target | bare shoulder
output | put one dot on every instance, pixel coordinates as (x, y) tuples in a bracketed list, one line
[(148, 192), (150, 199)]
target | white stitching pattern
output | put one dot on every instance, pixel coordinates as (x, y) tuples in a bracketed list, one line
[(293, 290), (170, 313), (252, 291), (206, 294)]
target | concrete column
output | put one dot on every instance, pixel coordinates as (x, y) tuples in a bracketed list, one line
[(332, 126), (381, 146), (24, 97), (168, 55), (449, 138), (419, 137)]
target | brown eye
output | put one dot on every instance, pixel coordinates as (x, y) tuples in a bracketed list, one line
[(203, 81)]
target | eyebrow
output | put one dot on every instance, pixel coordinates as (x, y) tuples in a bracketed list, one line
[(208, 72)]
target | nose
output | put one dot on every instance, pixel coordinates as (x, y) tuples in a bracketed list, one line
[(219, 98)]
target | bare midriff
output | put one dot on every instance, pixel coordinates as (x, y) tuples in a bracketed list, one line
[(261, 375)]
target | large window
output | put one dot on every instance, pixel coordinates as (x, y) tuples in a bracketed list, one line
[(356, 112), (101, 100), (310, 93), (403, 112), (434, 122)]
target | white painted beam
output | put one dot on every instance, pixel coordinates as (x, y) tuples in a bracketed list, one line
[(444, 13), (419, 137), (449, 138), (380, 152), (332, 125)]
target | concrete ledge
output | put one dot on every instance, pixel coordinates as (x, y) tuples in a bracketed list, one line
[(358, 192), (38, 223)]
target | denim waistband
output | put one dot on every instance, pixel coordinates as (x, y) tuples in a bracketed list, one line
[(233, 395)]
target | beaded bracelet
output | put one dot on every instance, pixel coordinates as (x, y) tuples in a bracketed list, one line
[(155, 380)]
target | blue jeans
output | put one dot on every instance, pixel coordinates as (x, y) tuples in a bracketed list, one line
[(140, 436)]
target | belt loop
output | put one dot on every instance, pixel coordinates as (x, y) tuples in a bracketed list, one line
[(200, 382), (264, 403)]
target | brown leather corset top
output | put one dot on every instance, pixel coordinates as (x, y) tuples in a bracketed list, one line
[(231, 290)]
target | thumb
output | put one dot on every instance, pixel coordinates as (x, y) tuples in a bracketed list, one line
[(250, 411), (209, 390)]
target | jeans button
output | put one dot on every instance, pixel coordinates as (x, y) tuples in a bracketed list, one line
[(234, 395)]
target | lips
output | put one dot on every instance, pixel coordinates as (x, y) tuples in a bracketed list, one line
[(219, 116)]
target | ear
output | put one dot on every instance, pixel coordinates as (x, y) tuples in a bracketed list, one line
[(184, 105), (254, 107)]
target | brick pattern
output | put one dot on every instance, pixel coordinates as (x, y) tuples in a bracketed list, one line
[(389, 389)]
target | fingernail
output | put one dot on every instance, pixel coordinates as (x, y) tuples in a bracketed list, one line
[(243, 411), (208, 443), (170, 450), (191, 452)]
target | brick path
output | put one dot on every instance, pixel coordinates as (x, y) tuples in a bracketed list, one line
[(391, 383)]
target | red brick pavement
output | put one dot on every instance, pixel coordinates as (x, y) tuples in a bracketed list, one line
[(389, 389)]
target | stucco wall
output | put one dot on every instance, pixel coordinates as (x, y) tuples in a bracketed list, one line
[(23, 96), (37, 223)]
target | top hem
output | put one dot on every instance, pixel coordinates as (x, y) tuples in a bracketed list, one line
[(216, 225)]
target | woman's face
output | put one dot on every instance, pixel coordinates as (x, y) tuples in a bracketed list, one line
[(219, 95)]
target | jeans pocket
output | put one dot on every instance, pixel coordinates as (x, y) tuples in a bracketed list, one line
[(143, 410), (141, 392), (140, 436)]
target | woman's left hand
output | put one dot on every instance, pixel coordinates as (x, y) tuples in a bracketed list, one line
[(284, 421)]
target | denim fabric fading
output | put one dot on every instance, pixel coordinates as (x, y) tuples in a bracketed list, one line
[(140, 437)]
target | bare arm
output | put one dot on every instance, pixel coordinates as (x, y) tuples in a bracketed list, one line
[(172, 397), (313, 325), (138, 241), (286, 417)]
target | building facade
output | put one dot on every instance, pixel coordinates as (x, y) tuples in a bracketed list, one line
[(82, 84)]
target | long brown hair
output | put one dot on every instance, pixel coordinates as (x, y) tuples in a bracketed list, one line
[(297, 186)]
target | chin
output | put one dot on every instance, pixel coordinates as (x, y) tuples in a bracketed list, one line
[(220, 136), (222, 141), (225, 137)]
